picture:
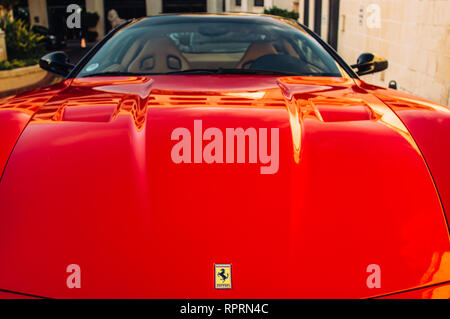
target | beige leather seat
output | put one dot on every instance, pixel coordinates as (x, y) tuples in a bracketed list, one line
[(288, 47), (127, 58), (255, 51), (159, 55)]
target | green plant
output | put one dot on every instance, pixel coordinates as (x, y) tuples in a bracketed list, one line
[(21, 42), (281, 12), (13, 64)]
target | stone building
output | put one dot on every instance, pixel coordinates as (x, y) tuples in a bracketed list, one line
[(413, 35)]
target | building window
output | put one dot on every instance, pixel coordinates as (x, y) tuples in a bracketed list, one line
[(238, 3), (259, 3)]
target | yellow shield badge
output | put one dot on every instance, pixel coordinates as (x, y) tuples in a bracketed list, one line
[(222, 274)]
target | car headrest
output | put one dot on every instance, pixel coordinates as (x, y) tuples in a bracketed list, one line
[(255, 51), (159, 55)]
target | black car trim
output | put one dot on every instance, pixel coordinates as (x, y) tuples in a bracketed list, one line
[(331, 51)]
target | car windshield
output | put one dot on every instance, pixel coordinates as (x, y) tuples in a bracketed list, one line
[(211, 45)]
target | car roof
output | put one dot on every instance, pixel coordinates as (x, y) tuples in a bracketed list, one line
[(228, 16)]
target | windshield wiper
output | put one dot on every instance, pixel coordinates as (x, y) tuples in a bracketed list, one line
[(255, 72), (231, 71), (271, 72), (116, 73), (190, 71)]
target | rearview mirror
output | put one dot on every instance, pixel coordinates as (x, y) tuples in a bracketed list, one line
[(370, 63), (56, 62)]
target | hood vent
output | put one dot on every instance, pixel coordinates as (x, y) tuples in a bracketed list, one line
[(98, 113), (345, 112)]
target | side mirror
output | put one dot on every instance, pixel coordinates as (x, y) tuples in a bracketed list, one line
[(369, 63), (56, 62)]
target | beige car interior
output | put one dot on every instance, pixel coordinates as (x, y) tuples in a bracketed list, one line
[(161, 55), (255, 51)]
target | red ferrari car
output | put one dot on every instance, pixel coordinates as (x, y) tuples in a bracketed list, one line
[(222, 156)]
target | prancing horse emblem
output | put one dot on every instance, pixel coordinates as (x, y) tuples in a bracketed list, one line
[(222, 276)]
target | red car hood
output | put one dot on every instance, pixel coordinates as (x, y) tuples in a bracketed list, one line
[(91, 182)]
